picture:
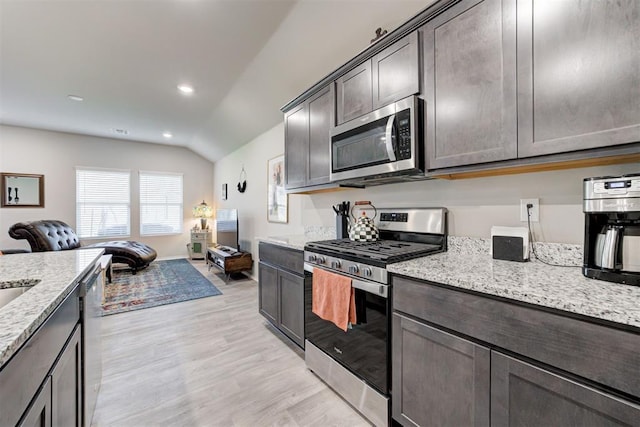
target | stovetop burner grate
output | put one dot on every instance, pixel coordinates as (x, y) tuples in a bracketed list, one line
[(383, 250)]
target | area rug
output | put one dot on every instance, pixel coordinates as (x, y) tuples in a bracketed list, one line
[(163, 282)]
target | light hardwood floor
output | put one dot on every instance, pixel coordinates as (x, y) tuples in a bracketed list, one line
[(210, 362)]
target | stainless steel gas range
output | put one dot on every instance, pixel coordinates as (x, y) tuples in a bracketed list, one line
[(357, 363)]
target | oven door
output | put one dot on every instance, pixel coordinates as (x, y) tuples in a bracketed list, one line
[(382, 142), (364, 350)]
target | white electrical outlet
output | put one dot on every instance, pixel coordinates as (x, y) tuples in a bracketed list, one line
[(535, 210)]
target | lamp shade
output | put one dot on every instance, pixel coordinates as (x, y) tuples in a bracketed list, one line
[(202, 211)]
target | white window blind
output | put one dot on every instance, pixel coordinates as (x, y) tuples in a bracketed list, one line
[(160, 203), (102, 203)]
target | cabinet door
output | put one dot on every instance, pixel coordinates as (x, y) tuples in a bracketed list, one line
[(470, 84), (438, 379), (296, 147), (268, 292), (578, 75), (354, 96), (525, 395), (395, 71), (39, 412), (291, 291), (66, 386), (320, 108)]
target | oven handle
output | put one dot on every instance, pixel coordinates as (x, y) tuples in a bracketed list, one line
[(389, 139), (371, 287)]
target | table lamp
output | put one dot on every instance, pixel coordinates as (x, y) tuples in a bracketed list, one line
[(202, 211)]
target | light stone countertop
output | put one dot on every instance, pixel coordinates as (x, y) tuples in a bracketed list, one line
[(562, 288), (58, 272), (293, 242), (468, 265), (297, 241)]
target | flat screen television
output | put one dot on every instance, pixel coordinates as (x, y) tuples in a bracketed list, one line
[(227, 228)]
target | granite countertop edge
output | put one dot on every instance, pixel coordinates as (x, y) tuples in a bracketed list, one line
[(19, 322), (559, 288)]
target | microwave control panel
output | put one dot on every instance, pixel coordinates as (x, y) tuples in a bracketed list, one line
[(404, 135)]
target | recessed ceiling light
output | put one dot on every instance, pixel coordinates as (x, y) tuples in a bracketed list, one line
[(75, 98), (186, 89), (167, 135)]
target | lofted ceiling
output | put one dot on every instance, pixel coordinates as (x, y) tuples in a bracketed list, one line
[(244, 58)]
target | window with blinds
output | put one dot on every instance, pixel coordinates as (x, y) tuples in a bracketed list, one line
[(160, 203), (102, 203)]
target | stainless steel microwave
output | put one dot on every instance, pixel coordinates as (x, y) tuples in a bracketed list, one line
[(384, 143)]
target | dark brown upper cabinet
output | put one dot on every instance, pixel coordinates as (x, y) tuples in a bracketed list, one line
[(307, 130), (578, 75), (390, 75), (296, 146), (470, 84)]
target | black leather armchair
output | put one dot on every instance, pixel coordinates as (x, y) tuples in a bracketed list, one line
[(54, 235)]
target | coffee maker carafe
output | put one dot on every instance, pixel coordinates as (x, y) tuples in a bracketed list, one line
[(612, 228)]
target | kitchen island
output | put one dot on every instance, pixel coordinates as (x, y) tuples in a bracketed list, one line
[(44, 347), (57, 273)]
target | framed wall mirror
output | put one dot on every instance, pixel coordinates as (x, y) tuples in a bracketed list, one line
[(20, 190)]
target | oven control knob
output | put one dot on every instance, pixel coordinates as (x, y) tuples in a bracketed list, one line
[(367, 272), (322, 260), (313, 258), (353, 269), (336, 264)]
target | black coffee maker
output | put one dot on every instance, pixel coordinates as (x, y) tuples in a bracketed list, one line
[(612, 228), (342, 219)]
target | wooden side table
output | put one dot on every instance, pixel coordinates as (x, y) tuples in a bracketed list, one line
[(227, 260)]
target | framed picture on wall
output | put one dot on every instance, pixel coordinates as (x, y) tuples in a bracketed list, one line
[(277, 198)]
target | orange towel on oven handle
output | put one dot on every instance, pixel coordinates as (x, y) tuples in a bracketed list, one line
[(333, 298)]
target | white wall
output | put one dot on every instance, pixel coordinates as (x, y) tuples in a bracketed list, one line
[(474, 204), (55, 155), (252, 204)]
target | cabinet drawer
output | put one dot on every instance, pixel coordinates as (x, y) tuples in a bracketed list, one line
[(289, 259), (600, 353)]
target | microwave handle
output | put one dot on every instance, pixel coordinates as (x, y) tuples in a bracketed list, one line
[(388, 138)]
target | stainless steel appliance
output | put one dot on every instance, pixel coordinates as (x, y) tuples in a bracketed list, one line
[(91, 288), (356, 363), (612, 228), (383, 146)]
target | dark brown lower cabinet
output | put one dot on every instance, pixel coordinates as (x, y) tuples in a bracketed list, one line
[(439, 379), (59, 400), (291, 291), (66, 385), (39, 412), (450, 365), (526, 395), (281, 281), (268, 292), (281, 300)]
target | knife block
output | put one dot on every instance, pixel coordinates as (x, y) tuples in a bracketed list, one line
[(342, 226)]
